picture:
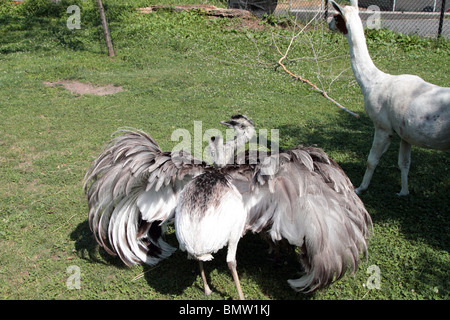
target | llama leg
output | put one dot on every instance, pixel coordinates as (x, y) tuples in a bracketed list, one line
[(205, 283), (404, 161), (381, 142)]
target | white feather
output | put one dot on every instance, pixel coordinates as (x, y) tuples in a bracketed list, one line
[(157, 205), (202, 233)]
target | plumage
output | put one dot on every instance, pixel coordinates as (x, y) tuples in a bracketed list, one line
[(300, 196), (310, 202), (128, 184), (209, 216)]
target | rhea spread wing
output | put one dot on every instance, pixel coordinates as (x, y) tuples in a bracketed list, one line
[(132, 190), (305, 197)]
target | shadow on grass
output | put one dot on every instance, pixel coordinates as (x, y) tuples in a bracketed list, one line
[(46, 34), (88, 249), (424, 213), (173, 275), (268, 271)]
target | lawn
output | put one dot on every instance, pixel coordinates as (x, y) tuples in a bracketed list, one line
[(177, 68)]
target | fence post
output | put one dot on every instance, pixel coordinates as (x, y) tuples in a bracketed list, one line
[(101, 10), (441, 19)]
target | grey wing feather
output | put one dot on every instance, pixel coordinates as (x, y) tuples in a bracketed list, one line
[(132, 191), (309, 201)]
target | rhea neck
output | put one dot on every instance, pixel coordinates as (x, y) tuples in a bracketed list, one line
[(365, 71), (240, 139), (243, 136), (224, 153)]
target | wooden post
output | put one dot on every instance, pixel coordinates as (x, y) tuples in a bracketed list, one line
[(441, 19), (105, 29)]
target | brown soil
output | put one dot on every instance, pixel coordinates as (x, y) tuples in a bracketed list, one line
[(208, 9), (85, 88), (245, 18)]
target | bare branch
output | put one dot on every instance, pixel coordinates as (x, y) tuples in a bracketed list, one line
[(304, 80), (335, 78)]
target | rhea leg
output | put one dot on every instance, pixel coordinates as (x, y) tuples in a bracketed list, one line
[(231, 261), (232, 266), (205, 283), (381, 142), (404, 162)]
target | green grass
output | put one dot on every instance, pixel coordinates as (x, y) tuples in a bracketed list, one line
[(177, 68)]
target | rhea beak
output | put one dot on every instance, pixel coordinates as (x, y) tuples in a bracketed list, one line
[(226, 123)]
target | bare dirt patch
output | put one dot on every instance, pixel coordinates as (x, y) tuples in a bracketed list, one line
[(85, 88), (207, 9), (242, 18)]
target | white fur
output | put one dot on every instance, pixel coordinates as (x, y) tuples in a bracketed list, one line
[(418, 111)]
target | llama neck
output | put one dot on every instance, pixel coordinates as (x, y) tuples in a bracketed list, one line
[(365, 71)]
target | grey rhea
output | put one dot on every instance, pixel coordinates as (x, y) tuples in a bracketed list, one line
[(134, 189)]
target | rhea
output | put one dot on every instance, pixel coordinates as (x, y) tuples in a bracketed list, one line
[(136, 189), (300, 195), (417, 111), (210, 213)]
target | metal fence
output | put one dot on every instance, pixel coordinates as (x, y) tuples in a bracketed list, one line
[(426, 18)]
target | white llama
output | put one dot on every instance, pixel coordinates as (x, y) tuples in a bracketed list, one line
[(418, 111)]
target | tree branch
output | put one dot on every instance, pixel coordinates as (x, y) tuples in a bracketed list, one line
[(297, 77)]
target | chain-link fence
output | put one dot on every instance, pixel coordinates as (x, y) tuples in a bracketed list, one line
[(427, 18)]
